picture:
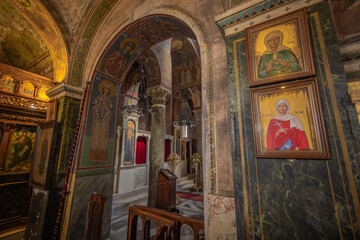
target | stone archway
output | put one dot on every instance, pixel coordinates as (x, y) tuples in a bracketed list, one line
[(97, 157)]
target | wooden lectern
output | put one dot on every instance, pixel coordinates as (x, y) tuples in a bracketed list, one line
[(166, 190)]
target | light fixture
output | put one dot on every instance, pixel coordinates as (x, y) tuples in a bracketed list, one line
[(185, 127), (141, 108)]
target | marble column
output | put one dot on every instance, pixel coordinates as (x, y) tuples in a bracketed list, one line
[(159, 95), (63, 107), (197, 116)]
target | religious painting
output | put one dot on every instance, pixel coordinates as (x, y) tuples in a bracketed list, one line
[(98, 143), (129, 143), (43, 158), (118, 56), (27, 89), (288, 122), (346, 14), (279, 50), (101, 111), (20, 149), (177, 142), (183, 150), (7, 84)]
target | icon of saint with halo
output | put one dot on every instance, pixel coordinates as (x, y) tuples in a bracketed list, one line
[(277, 59)]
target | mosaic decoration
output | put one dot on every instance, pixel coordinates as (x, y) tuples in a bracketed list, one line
[(250, 12)]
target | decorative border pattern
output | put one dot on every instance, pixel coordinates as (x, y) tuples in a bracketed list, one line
[(23, 102), (21, 118), (85, 41), (211, 98), (250, 12)]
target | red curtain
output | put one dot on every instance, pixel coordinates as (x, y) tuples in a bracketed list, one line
[(140, 150), (167, 149)]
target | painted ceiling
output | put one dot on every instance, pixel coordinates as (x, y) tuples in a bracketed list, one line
[(136, 38), (21, 45), (71, 11)]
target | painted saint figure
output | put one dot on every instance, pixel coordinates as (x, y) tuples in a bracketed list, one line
[(101, 117), (277, 59), (115, 63), (21, 150), (285, 130)]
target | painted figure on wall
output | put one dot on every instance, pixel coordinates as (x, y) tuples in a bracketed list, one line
[(21, 150), (277, 59), (115, 63), (195, 97), (285, 131), (101, 117), (129, 151)]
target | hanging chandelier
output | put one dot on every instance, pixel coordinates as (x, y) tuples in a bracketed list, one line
[(185, 127), (141, 108)]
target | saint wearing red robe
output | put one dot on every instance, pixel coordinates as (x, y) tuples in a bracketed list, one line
[(285, 131), (116, 62)]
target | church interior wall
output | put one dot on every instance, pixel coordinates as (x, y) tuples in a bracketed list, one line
[(246, 197), (297, 198), (107, 29)]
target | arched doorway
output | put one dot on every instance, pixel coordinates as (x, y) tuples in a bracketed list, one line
[(146, 43)]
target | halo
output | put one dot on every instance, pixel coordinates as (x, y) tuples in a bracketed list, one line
[(101, 87), (177, 94), (126, 40), (175, 30), (260, 44), (130, 124)]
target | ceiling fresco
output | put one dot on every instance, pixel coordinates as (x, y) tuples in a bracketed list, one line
[(21, 45), (185, 64), (136, 38), (71, 11)]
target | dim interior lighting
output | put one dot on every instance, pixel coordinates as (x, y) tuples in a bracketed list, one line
[(282, 87)]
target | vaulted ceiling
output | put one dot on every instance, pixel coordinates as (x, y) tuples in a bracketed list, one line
[(21, 45), (27, 42)]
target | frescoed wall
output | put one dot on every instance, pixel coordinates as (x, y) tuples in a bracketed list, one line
[(296, 198), (129, 145), (98, 144)]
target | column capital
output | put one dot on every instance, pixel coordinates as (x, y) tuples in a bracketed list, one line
[(64, 89), (158, 94)]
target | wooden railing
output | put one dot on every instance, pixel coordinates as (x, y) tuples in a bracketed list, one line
[(167, 224)]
